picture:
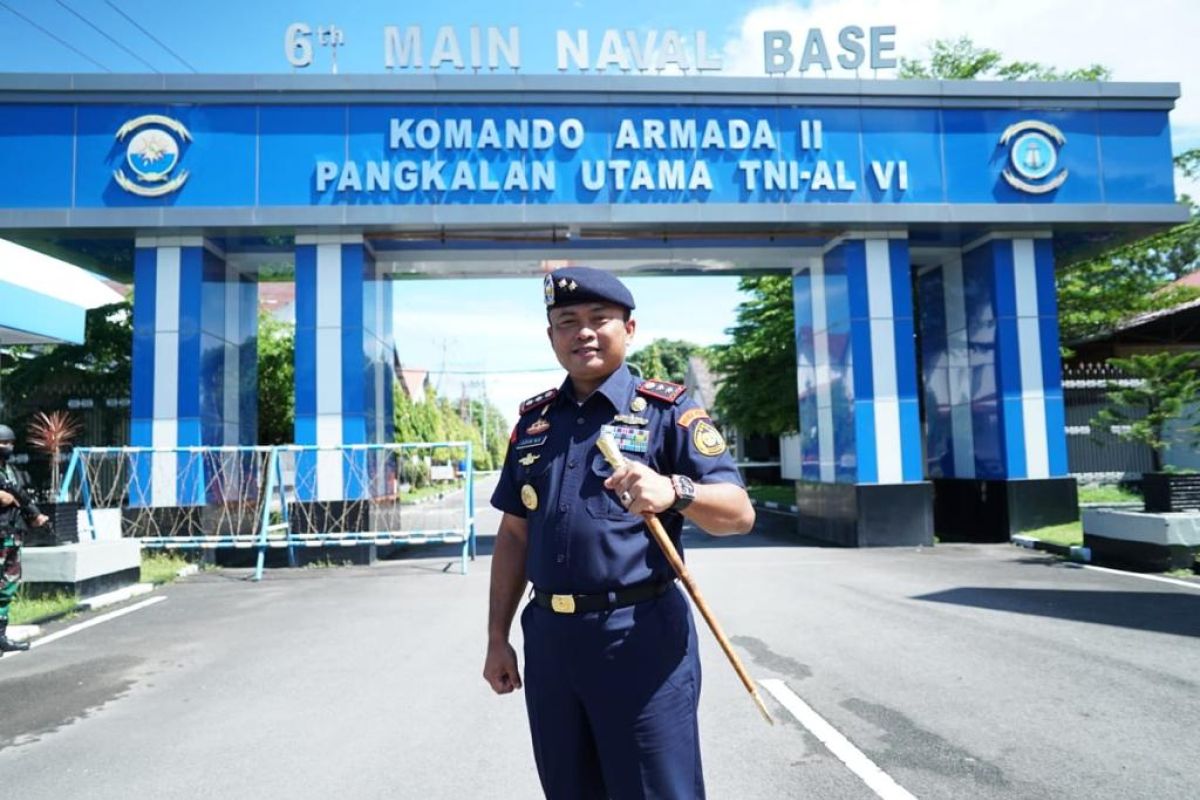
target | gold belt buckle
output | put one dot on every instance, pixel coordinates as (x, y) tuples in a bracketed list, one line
[(562, 603)]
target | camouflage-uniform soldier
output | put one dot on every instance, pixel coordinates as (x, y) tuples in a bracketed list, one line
[(15, 504)]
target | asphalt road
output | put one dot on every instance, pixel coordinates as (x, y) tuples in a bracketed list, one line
[(961, 671)]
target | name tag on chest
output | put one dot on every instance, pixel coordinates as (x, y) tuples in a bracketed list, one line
[(628, 438)]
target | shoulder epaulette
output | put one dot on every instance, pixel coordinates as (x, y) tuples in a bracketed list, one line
[(663, 390), (538, 400)]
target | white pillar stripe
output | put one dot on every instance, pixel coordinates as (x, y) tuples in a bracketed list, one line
[(380, 376), (166, 375), (1025, 277), (1029, 346), (962, 432), (231, 411), (825, 452), (888, 442), (329, 373), (164, 467), (879, 278), (166, 289), (329, 285), (329, 369)]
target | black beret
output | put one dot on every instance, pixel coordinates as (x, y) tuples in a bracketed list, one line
[(571, 286)]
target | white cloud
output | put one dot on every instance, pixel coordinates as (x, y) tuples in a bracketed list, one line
[(1148, 40)]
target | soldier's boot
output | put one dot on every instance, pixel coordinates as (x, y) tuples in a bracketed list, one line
[(7, 645)]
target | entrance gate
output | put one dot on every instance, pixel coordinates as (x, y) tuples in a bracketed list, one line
[(920, 221)]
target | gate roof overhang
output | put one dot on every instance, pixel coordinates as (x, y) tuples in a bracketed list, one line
[(66, 201)]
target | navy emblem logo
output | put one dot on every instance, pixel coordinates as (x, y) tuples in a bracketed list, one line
[(153, 152), (1033, 156)]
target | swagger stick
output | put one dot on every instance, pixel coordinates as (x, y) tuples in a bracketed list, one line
[(613, 456)]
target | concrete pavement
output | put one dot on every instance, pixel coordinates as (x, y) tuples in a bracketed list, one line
[(962, 671)]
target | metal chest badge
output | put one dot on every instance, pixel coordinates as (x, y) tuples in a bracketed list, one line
[(529, 497), (632, 440), (540, 425), (638, 405)]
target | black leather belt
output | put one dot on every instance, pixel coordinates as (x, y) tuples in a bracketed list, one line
[(582, 603)]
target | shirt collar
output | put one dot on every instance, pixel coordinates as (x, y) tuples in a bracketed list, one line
[(616, 388)]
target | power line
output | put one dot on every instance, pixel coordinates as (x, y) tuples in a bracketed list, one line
[(150, 35), (53, 36), (98, 30), (497, 371)]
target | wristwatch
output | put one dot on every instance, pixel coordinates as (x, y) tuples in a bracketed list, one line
[(685, 492)]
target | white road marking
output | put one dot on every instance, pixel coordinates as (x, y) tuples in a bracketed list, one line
[(91, 623), (1176, 581), (855, 760)]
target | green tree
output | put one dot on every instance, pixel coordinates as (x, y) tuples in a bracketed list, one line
[(103, 363), (1167, 384), (758, 367), (666, 359), (962, 59), (276, 380)]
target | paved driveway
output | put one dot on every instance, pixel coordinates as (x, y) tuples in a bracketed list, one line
[(960, 671)]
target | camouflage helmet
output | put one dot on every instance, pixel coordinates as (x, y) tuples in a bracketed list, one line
[(6, 434)]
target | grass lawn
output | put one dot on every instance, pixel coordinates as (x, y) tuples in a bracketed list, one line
[(784, 495), (1092, 493), (416, 495), (1070, 533), (27, 609), (161, 567)]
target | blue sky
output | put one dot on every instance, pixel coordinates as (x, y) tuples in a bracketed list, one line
[(497, 326)]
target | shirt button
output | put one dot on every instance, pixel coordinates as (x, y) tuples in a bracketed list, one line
[(562, 510), (561, 558), (579, 420), (571, 464)]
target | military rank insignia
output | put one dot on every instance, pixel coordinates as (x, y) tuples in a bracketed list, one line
[(663, 390), (708, 439), (629, 439)]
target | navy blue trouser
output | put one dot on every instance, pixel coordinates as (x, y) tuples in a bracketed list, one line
[(612, 699)]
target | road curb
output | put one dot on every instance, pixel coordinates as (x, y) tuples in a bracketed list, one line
[(1073, 552), (33, 629), (773, 506)]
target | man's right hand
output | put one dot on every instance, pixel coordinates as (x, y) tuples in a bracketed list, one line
[(7, 498), (500, 667)]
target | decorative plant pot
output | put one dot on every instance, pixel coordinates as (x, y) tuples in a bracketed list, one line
[(63, 527), (1171, 491)]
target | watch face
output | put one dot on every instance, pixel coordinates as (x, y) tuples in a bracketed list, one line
[(685, 491)]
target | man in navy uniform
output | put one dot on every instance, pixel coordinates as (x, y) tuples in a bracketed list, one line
[(611, 662)]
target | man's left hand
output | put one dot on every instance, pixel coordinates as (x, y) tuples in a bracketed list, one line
[(641, 489), (40, 520)]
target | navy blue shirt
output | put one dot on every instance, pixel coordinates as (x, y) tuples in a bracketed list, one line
[(581, 539)]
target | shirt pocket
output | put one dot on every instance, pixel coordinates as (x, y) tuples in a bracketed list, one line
[(602, 503)]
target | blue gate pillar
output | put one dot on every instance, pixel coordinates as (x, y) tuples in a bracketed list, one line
[(195, 365), (995, 437), (343, 365), (860, 431)]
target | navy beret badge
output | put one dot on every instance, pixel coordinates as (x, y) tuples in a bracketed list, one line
[(548, 289)]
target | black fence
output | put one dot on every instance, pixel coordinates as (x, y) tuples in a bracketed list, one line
[(103, 422), (1094, 454)]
